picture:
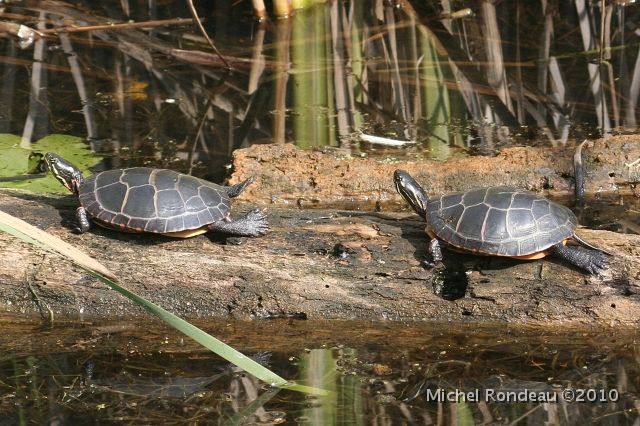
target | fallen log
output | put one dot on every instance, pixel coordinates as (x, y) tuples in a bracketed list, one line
[(286, 175), (314, 264)]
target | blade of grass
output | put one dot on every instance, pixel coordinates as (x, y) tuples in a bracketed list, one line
[(48, 240), (208, 341)]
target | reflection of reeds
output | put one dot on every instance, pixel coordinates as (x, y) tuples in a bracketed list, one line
[(494, 66), (586, 22), (336, 69), (309, 59), (38, 98), (280, 80)]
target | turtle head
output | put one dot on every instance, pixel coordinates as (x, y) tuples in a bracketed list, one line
[(68, 174), (411, 191)]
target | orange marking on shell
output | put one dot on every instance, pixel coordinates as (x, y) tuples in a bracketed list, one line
[(430, 232), (532, 256)]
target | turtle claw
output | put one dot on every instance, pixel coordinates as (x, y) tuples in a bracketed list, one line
[(253, 224), (429, 264), (255, 214), (596, 262), (258, 219)]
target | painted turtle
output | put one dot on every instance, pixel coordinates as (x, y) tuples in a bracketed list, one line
[(142, 199), (498, 221)]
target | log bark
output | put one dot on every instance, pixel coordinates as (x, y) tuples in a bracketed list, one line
[(286, 175), (314, 264)]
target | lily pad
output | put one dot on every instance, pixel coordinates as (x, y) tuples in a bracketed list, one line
[(18, 163)]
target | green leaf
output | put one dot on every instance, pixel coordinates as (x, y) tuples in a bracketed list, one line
[(16, 162)]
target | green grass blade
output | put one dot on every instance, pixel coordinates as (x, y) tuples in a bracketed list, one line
[(8, 229), (208, 341)]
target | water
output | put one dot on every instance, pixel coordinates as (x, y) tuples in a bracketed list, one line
[(503, 75), (89, 372)]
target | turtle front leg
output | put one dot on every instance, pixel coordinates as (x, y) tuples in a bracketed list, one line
[(83, 223), (591, 260), (435, 253), (253, 224)]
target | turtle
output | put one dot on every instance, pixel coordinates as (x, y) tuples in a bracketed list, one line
[(498, 221), (143, 199)]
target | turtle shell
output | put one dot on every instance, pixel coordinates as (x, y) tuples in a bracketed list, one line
[(499, 220), (153, 200)]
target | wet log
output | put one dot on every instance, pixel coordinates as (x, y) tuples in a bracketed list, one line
[(286, 175), (314, 264)]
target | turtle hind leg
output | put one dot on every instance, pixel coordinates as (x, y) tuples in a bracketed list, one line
[(253, 224), (591, 260), (237, 189)]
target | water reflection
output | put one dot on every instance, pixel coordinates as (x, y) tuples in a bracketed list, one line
[(419, 373), (473, 75)]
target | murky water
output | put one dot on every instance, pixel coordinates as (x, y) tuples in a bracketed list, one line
[(363, 77), (76, 373)]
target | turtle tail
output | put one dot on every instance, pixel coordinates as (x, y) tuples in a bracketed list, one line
[(235, 190), (589, 245)]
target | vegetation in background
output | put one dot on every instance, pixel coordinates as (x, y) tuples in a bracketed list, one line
[(440, 76)]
